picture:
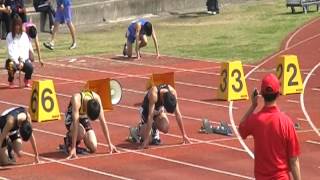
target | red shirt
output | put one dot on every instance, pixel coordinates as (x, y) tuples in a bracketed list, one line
[(275, 141)]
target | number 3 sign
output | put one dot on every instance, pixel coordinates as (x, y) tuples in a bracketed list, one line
[(43, 103), (232, 82), (288, 73)]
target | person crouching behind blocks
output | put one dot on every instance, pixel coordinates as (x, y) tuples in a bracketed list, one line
[(18, 46)]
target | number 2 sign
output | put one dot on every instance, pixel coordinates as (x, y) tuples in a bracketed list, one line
[(288, 72)]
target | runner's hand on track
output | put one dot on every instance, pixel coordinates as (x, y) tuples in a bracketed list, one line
[(36, 159), (113, 149), (72, 154), (186, 140)]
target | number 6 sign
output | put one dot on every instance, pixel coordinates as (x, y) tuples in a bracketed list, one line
[(43, 101)]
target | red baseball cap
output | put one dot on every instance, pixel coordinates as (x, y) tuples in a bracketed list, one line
[(270, 84)]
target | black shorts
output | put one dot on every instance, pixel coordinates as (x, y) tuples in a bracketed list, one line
[(144, 118), (13, 136), (85, 122)]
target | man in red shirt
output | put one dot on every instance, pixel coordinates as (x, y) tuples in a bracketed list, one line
[(275, 140)]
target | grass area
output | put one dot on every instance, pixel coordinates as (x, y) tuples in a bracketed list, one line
[(246, 31)]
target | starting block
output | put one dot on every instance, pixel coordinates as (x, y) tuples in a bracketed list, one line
[(133, 135), (161, 78), (297, 125), (222, 129)]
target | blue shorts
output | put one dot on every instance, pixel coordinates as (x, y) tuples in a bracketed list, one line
[(64, 16), (131, 36)]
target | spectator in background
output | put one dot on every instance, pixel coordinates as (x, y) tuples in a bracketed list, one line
[(4, 17), (63, 14), (213, 7), (32, 33), (276, 146), (18, 46), (17, 7), (45, 8)]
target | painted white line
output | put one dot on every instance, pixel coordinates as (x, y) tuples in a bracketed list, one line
[(72, 60), (293, 101), (313, 142), (297, 31), (302, 101), (302, 119), (167, 159), (128, 75), (254, 79), (153, 66), (198, 166), (3, 178), (81, 167), (134, 91), (127, 126), (316, 89), (250, 153)]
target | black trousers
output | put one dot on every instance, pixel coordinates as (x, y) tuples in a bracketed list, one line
[(212, 5), (7, 18), (13, 68), (47, 10)]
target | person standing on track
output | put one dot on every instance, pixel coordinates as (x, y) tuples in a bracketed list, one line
[(275, 140), (153, 116), (137, 32), (83, 107), (15, 124)]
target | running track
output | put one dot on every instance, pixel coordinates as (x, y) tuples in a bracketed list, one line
[(210, 156)]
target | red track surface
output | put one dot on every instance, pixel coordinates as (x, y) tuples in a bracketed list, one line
[(209, 157)]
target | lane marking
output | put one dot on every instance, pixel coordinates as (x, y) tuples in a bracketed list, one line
[(313, 142), (81, 167), (302, 101)]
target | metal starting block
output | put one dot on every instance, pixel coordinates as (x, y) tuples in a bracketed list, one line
[(297, 125), (133, 135), (222, 129)]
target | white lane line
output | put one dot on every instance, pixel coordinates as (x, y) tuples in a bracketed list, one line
[(313, 142), (250, 153), (134, 91), (316, 89), (127, 126), (153, 66), (128, 75), (297, 31), (293, 101), (316, 130), (81, 167), (302, 119), (171, 160)]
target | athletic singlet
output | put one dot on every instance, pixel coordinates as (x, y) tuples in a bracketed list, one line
[(84, 95), (13, 112), (158, 104), (132, 27)]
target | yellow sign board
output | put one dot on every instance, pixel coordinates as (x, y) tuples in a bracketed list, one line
[(43, 103), (288, 72), (232, 82)]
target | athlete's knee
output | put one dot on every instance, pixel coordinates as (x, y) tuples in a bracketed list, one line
[(143, 43), (92, 146)]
